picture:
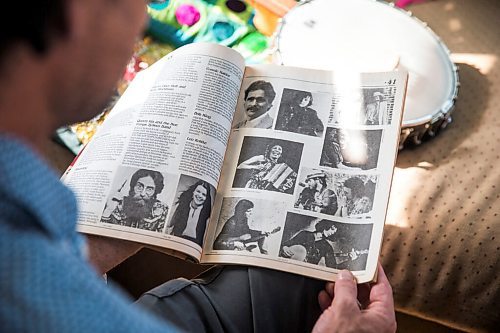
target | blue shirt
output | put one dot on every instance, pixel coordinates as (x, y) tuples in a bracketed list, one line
[(46, 284)]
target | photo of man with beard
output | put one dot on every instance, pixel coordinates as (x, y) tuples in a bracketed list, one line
[(140, 208)]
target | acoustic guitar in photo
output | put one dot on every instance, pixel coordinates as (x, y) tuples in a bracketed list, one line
[(299, 253), (246, 239)]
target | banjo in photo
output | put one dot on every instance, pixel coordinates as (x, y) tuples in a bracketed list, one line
[(370, 35)]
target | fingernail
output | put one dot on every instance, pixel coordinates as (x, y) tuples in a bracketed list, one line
[(346, 275)]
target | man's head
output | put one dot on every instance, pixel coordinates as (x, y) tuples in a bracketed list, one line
[(68, 57), (259, 97), (145, 185), (326, 228), (314, 178), (303, 98), (274, 152), (354, 187)]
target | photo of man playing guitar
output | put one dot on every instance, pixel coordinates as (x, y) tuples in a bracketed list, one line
[(236, 234), (319, 247)]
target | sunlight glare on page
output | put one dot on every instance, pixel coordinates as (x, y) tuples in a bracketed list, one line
[(348, 86)]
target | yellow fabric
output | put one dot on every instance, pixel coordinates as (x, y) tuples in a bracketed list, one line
[(442, 245)]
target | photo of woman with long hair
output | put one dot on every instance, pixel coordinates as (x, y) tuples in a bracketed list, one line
[(236, 232), (192, 210)]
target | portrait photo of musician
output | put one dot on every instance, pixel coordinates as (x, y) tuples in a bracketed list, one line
[(335, 194), (298, 112), (369, 106), (350, 148), (325, 243), (375, 107), (268, 164), (138, 199), (250, 225), (191, 210), (257, 103)]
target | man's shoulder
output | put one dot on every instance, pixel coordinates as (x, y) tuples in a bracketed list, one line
[(265, 122)]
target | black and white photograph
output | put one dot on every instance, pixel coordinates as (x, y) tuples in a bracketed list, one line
[(250, 225), (336, 194), (257, 105), (191, 211), (351, 149), (369, 106), (139, 199), (301, 112), (268, 164), (325, 243)]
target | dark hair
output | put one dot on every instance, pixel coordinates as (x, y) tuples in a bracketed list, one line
[(300, 95), (262, 85), (42, 22), (356, 185), (141, 173), (241, 207), (181, 213), (267, 152), (323, 225), (186, 196)]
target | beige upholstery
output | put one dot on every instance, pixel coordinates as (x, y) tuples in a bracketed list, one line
[(442, 244)]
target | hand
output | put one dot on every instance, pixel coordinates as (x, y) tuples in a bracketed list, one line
[(111, 204), (288, 184), (342, 199), (287, 253), (341, 310), (239, 245), (353, 254)]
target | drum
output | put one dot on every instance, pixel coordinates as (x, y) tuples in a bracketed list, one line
[(374, 35)]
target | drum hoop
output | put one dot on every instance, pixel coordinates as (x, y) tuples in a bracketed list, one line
[(414, 130)]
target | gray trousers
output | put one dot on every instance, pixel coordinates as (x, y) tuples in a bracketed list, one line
[(238, 299)]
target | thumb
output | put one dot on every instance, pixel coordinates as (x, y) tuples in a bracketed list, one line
[(345, 293)]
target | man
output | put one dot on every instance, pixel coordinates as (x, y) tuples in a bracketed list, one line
[(374, 116), (312, 247), (334, 144), (352, 199), (136, 210), (259, 97), (57, 68), (297, 115), (308, 197)]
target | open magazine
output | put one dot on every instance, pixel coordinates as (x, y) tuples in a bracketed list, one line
[(271, 166)]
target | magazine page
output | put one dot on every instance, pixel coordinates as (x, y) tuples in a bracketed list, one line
[(150, 172), (308, 171)]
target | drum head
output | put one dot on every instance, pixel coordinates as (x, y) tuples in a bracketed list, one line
[(369, 35)]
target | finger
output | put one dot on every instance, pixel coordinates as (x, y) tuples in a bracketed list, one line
[(324, 300), (345, 293), (329, 288), (381, 293)]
